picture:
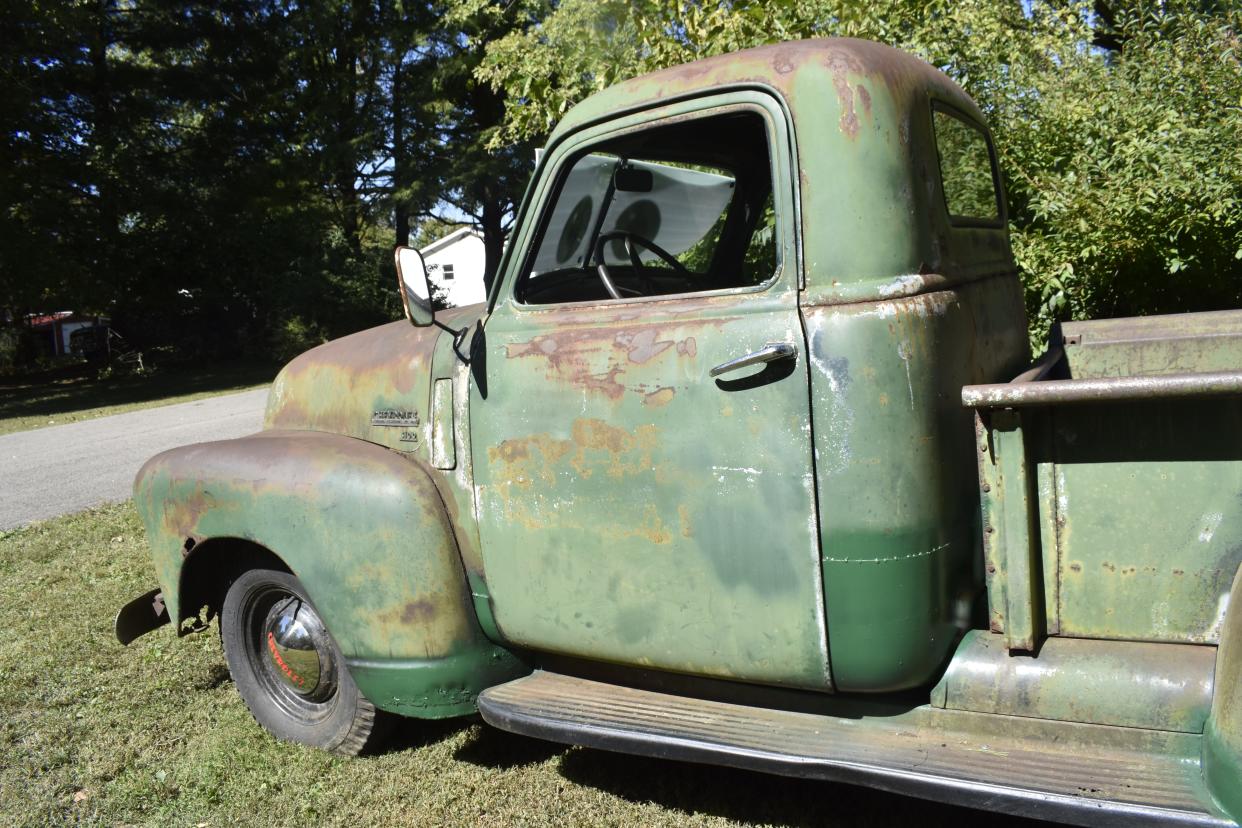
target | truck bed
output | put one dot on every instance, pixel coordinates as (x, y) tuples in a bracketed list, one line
[(1110, 478)]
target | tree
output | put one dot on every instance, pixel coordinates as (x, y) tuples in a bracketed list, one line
[(1116, 121), (475, 177), (230, 177), (200, 173)]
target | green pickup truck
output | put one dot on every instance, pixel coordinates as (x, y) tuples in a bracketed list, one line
[(744, 461)]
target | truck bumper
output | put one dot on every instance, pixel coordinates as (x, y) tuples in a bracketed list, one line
[(141, 615)]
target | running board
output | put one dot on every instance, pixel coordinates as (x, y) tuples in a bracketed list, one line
[(1084, 774)]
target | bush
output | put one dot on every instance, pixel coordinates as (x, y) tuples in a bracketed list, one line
[(8, 350), (294, 336)]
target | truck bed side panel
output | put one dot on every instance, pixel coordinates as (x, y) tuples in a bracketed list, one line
[(1134, 438)]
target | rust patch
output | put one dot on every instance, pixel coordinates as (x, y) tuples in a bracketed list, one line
[(397, 352), (597, 359), (337, 387), (520, 465), (421, 611), (840, 64), (1076, 567), (569, 358), (597, 434), (181, 517), (626, 453), (865, 97), (562, 350), (643, 345), (653, 528), (509, 451), (683, 519), (606, 384), (659, 397)]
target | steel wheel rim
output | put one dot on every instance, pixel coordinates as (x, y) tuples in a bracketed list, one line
[(291, 653)]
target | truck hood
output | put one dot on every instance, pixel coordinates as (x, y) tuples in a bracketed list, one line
[(374, 385)]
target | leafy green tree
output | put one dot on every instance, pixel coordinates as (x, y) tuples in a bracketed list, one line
[(476, 176), (1116, 122), (230, 177)]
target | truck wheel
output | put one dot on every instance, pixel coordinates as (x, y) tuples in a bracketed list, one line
[(287, 668)]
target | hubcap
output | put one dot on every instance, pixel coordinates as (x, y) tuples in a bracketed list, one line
[(296, 642)]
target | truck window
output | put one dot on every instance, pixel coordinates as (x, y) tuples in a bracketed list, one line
[(676, 209), (967, 171)]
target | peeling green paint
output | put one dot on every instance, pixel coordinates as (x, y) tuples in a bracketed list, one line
[(361, 527)]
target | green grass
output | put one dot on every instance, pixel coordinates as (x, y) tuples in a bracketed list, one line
[(154, 734), (24, 406)]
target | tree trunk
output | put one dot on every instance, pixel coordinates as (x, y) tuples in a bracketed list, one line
[(104, 140), (346, 172), (400, 158)]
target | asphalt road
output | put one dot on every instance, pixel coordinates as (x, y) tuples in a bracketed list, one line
[(62, 469)]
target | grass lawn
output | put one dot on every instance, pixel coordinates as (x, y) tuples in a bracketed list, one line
[(154, 734), (25, 406)]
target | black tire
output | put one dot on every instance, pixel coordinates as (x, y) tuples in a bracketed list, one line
[(273, 674)]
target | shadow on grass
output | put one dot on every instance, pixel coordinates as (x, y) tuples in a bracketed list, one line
[(412, 734), (66, 394), (752, 797), (492, 748), (217, 676)]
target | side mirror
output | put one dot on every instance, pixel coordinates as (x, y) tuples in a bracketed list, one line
[(415, 288)]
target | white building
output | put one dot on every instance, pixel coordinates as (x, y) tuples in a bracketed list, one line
[(455, 265)]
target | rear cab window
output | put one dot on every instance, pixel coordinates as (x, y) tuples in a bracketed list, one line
[(968, 173)]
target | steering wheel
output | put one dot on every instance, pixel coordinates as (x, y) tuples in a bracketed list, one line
[(630, 239)]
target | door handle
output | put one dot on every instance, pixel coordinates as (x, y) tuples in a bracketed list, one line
[(768, 353)]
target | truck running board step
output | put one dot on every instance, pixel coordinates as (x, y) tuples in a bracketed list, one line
[(1083, 774)]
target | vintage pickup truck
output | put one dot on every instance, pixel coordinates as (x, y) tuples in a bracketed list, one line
[(744, 462)]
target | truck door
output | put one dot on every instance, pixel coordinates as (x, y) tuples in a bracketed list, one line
[(641, 432)]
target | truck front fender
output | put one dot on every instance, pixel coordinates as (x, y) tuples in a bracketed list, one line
[(365, 531)]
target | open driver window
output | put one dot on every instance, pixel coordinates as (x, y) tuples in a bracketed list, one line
[(675, 209)]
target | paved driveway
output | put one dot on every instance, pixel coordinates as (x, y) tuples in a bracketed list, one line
[(61, 469)]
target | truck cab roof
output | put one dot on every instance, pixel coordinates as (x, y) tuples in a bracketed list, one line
[(865, 145)]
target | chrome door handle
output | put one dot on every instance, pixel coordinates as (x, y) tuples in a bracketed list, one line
[(768, 353)]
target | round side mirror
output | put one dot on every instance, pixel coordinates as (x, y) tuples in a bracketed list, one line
[(415, 287)]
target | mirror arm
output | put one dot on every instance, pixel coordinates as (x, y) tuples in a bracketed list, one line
[(458, 336)]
